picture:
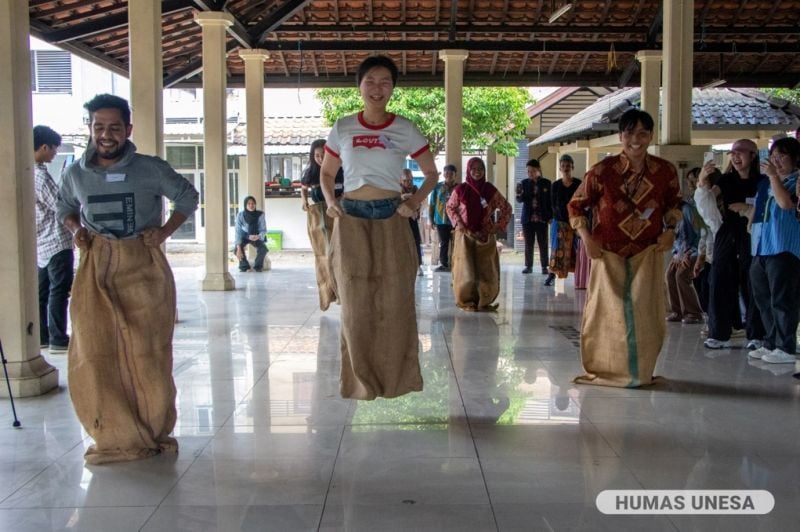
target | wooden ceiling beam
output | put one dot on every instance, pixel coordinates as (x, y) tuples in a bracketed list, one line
[(192, 67), (274, 19)]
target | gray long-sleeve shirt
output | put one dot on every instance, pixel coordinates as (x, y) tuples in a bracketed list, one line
[(124, 199)]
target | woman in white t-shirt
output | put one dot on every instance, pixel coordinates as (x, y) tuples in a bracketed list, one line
[(373, 255)]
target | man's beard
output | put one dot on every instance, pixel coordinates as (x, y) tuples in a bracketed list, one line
[(110, 155)]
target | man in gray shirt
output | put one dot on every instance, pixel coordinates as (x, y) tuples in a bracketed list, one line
[(123, 297)]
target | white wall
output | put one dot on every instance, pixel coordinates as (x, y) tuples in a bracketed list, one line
[(285, 214)]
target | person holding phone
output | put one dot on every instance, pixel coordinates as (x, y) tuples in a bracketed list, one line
[(776, 253), (729, 275)]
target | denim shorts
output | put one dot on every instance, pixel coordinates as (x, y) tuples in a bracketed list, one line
[(373, 210)]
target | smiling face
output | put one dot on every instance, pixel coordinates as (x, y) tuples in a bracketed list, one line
[(376, 88), (533, 172), (109, 134), (449, 177), (741, 159), (782, 161), (477, 171), (319, 155), (635, 141), (250, 205)]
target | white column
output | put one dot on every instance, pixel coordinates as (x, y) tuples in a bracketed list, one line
[(453, 100), (651, 86), (214, 25), (29, 373), (254, 103), (147, 108), (678, 60), (254, 96)]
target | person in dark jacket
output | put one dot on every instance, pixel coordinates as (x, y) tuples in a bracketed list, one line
[(537, 209)]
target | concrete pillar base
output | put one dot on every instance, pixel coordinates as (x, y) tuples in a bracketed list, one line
[(37, 377), (681, 155), (218, 282)]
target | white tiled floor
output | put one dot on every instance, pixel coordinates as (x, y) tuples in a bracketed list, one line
[(499, 439)]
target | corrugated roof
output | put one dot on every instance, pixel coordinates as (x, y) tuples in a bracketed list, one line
[(711, 109)]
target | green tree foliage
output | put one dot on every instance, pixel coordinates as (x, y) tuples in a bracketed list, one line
[(493, 117), (792, 95)]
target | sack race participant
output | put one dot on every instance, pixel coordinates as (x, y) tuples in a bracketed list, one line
[(634, 198), (123, 298), (476, 262), (373, 255)]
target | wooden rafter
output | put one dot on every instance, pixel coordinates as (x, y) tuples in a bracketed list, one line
[(553, 63)]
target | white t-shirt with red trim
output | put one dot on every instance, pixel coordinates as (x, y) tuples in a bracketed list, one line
[(374, 155)]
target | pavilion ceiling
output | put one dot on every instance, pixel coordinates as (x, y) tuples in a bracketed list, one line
[(319, 43)]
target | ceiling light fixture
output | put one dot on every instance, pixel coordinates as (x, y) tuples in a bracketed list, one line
[(561, 11)]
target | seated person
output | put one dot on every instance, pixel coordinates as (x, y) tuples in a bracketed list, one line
[(251, 226)]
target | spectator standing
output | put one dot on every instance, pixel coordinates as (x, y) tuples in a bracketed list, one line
[(537, 209), (54, 255), (729, 275), (776, 253), (562, 256), (438, 215), (409, 189)]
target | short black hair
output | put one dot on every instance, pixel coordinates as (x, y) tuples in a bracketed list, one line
[(790, 146), (44, 136), (449, 168), (376, 61), (634, 116), (534, 163), (109, 101)]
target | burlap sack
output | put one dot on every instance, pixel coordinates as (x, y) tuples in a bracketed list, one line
[(375, 266), (320, 226), (120, 354), (623, 326), (476, 271)]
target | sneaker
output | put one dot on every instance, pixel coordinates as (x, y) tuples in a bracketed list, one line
[(527, 269), (754, 345), (673, 316), (551, 279), (441, 269), (777, 356), (759, 353), (420, 272), (58, 349), (692, 320), (738, 333), (712, 343)]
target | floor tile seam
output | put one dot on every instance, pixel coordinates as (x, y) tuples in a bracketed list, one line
[(330, 480), (175, 484), (30, 480), (469, 429)]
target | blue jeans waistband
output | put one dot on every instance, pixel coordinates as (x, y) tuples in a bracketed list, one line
[(373, 209)]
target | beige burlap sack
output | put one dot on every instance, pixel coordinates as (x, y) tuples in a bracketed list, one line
[(476, 271), (120, 354), (623, 326), (320, 226), (375, 266)]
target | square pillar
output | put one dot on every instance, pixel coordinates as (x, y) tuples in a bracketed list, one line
[(651, 87), (29, 373), (215, 146), (453, 101), (147, 100), (678, 49)]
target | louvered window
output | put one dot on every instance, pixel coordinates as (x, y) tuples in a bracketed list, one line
[(51, 72)]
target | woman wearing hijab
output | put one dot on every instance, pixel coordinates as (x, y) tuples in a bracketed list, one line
[(251, 226), (373, 256), (320, 225), (476, 263)]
